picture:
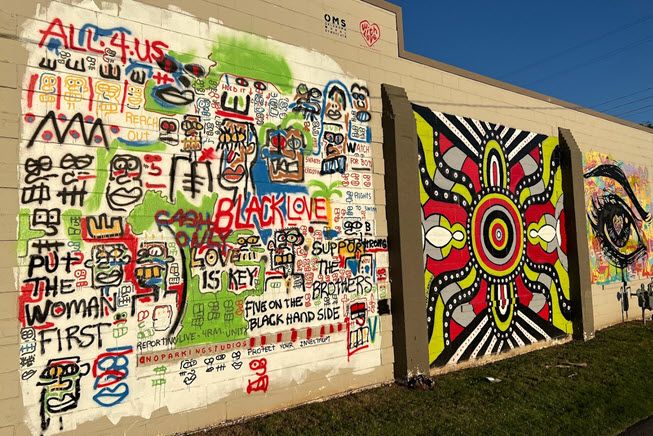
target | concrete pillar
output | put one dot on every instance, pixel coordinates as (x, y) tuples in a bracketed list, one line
[(404, 235), (577, 243)]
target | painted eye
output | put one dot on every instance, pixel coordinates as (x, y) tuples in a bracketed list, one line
[(618, 231), (156, 251), (260, 86), (241, 81), (294, 143), (194, 70)]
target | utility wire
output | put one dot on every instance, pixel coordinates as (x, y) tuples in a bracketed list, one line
[(593, 60), (635, 110), (627, 103), (621, 97), (575, 47)]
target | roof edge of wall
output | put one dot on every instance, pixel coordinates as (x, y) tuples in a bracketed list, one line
[(404, 54)]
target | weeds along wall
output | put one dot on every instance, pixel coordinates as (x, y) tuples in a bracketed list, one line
[(201, 229)]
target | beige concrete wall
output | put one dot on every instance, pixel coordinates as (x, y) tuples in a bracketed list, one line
[(302, 25)]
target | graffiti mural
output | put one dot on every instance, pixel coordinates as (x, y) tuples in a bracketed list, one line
[(197, 216), (619, 222), (495, 263)]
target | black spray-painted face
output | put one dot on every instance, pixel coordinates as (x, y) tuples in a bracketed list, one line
[(615, 223), (124, 188)]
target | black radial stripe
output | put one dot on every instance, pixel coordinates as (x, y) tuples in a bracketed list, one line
[(534, 142), (484, 349), (516, 331), (449, 350), (465, 131), (548, 328), (474, 127), (529, 329), (441, 128), (475, 342), (509, 146), (499, 346), (511, 131)]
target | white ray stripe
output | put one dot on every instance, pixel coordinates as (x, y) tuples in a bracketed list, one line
[(517, 339), (469, 129), (510, 344), (487, 126), (532, 324), (456, 132), (521, 145), (491, 346), (463, 347), (479, 126), (500, 346), (480, 345), (504, 131), (528, 335), (512, 138)]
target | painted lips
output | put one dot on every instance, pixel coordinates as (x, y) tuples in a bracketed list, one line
[(233, 175)]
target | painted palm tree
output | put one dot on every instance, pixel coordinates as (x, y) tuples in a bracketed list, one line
[(323, 191)]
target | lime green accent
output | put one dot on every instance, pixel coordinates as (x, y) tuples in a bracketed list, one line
[(525, 193), (563, 275), (425, 134), (253, 57), (532, 275), (436, 342), (558, 320), (25, 233), (469, 280), (503, 168), (462, 191), (557, 187), (503, 325), (184, 58)]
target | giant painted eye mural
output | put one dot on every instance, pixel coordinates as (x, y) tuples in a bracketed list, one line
[(495, 262), (619, 223)]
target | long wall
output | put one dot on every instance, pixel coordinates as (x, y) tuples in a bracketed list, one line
[(199, 188)]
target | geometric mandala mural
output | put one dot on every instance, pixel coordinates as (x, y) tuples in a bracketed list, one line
[(495, 250)]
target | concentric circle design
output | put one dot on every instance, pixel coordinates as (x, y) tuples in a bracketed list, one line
[(497, 235)]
